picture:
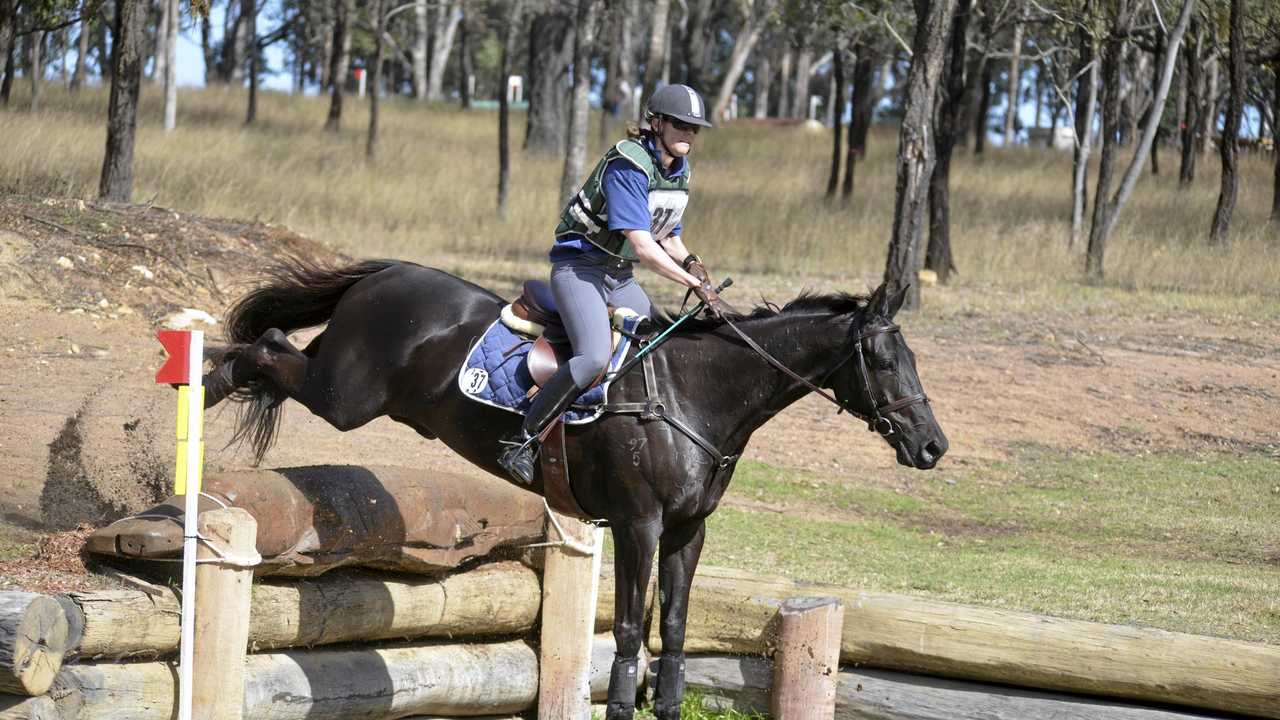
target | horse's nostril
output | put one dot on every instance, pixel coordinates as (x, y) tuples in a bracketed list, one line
[(934, 449)]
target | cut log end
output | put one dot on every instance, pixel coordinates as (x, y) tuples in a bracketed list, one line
[(33, 641)]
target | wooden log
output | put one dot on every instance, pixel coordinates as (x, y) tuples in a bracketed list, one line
[(442, 680), (18, 707), (496, 599), (224, 586), (731, 611), (569, 586), (314, 519), (743, 683), (808, 659), (33, 640)]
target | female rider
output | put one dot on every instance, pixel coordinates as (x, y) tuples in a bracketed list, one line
[(628, 210)]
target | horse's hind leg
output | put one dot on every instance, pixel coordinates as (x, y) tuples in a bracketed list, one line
[(342, 398), (678, 556), (272, 357)]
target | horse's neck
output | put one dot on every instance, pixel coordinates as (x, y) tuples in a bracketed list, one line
[(746, 390)]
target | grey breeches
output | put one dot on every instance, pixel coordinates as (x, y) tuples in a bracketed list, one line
[(583, 290)]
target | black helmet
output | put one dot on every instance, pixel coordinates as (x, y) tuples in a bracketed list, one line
[(680, 102)]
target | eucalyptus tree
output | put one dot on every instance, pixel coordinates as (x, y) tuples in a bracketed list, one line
[(116, 181), (338, 58), (1121, 21), (549, 64), (575, 156), (756, 16), (915, 147), (1218, 232)]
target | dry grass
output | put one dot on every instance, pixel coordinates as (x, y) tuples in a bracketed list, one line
[(758, 206)]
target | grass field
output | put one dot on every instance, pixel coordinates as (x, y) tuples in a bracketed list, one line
[(1179, 540), (758, 202)]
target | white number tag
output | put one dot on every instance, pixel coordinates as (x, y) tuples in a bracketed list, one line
[(474, 381), (666, 207)]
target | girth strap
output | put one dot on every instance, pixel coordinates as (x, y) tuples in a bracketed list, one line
[(653, 409)]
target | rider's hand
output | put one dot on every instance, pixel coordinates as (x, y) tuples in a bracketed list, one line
[(698, 270), (706, 292)]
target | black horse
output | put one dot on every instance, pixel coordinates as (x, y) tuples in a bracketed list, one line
[(397, 334)]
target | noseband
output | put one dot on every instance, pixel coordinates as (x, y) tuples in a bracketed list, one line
[(876, 421)]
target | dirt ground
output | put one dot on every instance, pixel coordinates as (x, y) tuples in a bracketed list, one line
[(83, 287)]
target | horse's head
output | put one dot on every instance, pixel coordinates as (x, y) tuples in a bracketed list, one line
[(879, 382)]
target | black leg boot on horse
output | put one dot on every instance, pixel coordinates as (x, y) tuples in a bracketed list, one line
[(520, 457)]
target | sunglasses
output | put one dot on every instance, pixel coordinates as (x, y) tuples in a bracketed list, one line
[(683, 126)]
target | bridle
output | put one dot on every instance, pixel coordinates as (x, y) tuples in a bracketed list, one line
[(876, 420)]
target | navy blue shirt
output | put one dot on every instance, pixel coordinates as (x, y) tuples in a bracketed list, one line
[(626, 191)]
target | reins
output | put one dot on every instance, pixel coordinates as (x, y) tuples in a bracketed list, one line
[(876, 421)]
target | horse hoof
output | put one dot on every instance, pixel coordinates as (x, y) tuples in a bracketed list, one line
[(619, 712)]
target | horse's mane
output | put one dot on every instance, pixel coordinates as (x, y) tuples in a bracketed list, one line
[(806, 303)]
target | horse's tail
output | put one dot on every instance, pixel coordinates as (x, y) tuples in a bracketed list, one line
[(299, 295)]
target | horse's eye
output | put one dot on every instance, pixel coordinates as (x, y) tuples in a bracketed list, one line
[(885, 363)]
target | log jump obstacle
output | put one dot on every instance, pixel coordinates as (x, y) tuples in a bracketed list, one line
[(355, 642)]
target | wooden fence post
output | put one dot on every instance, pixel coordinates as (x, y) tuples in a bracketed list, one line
[(223, 594), (807, 661), (569, 581)]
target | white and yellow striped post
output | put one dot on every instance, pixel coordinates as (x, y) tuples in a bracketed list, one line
[(184, 368)]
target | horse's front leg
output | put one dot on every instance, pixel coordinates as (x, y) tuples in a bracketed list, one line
[(632, 562), (678, 557)]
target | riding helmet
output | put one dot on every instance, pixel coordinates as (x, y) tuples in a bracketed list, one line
[(680, 102)]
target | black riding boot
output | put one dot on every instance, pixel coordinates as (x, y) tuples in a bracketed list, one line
[(554, 398)]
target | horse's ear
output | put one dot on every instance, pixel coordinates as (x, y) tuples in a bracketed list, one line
[(894, 303), (876, 303)]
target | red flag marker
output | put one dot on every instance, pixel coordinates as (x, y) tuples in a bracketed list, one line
[(176, 369)]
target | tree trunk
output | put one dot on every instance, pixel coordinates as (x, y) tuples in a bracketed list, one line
[(784, 81), (864, 102), (983, 113), (207, 50), (8, 38), (10, 69), (1086, 108), (447, 19), (764, 78), (837, 118), (1155, 81), (950, 101), (1219, 232), (657, 56), (800, 101), (1015, 84), (1275, 143), (1191, 124), (743, 43), (504, 112), (170, 78), (915, 148), (116, 183), (550, 55), (162, 37), (575, 156), (36, 68), (1039, 95), (420, 51), (337, 67), (379, 10), (1107, 209), (695, 44), (1209, 117), (240, 45), (249, 15), (465, 65), (82, 51)]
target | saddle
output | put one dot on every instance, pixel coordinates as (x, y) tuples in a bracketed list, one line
[(535, 314)]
